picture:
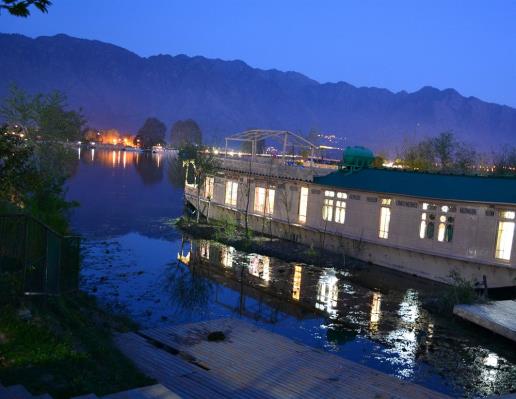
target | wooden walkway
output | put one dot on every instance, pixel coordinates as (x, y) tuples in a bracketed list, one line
[(254, 363), (498, 316)]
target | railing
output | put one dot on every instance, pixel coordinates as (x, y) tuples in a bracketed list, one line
[(44, 261), (274, 168)]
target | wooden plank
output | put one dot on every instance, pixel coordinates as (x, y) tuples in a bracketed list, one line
[(255, 363), (498, 317)]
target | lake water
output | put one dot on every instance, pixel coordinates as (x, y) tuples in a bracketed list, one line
[(135, 261)]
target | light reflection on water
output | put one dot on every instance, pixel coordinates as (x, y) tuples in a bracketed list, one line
[(131, 263)]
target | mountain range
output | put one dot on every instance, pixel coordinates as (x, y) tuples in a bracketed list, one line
[(119, 89)]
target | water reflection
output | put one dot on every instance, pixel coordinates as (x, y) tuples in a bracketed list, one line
[(135, 261), (328, 292)]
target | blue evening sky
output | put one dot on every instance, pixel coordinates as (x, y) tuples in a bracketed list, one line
[(469, 45)]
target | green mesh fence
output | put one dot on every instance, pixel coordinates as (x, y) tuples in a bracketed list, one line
[(40, 260)]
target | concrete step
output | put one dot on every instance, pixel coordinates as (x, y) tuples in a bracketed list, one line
[(157, 391)]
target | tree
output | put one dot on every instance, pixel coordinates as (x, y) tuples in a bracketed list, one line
[(34, 163), (203, 164), (443, 153), (21, 8), (505, 162), (43, 116), (184, 133), (151, 133)]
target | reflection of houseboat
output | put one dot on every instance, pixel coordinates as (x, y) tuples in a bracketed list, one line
[(157, 148), (430, 225)]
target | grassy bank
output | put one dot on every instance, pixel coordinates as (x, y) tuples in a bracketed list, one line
[(64, 347)]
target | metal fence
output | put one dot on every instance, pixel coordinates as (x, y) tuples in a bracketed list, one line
[(43, 261)]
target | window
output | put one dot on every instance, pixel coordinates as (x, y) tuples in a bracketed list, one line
[(444, 222), (264, 200), (505, 235), (327, 211), (427, 227), (231, 192), (303, 204), (340, 207), (445, 231), (385, 218), (209, 184)]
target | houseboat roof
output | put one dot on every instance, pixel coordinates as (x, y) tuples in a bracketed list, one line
[(500, 190)]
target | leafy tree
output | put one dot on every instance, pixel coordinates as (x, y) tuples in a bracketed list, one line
[(151, 133), (184, 133), (505, 162), (21, 8), (34, 162), (43, 116), (441, 153), (203, 163), (15, 167)]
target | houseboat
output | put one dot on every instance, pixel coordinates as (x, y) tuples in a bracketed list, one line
[(435, 226)]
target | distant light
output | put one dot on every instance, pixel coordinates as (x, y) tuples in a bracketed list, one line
[(231, 153), (216, 152), (79, 142), (92, 143)]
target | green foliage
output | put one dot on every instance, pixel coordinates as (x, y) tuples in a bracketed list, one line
[(184, 133), (311, 252), (151, 133), (460, 291), (34, 162), (21, 8), (42, 116), (442, 153), (226, 230), (65, 349)]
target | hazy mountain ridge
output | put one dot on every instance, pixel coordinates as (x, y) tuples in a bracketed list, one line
[(117, 88)]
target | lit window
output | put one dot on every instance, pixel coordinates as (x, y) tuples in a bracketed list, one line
[(329, 193), (327, 211), (426, 227), (209, 184), (303, 204), (422, 227), (386, 201), (340, 208), (508, 215), (340, 211), (385, 220), (429, 222), (505, 235), (231, 192), (264, 200)]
